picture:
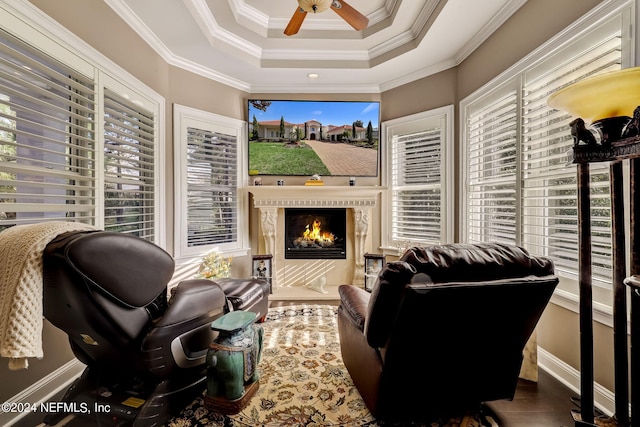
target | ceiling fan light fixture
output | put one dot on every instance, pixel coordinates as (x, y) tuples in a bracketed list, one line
[(354, 18), (315, 6)]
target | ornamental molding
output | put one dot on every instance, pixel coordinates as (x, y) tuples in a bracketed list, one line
[(314, 196), (313, 203)]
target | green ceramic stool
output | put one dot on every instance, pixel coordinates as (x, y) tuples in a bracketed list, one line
[(232, 362)]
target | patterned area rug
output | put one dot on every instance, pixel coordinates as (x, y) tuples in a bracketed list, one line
[(303, 381)]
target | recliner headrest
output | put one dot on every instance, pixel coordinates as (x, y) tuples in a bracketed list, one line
[(127, 268), (456, 263), (475, 262)]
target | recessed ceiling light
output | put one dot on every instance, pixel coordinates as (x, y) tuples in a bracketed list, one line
[(313, 75)]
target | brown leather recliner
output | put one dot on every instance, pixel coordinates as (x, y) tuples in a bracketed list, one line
[(444, 328)]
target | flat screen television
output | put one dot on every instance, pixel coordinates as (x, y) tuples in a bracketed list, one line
[(304, 138)]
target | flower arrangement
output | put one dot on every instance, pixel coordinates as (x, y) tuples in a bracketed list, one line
[(214, 266)]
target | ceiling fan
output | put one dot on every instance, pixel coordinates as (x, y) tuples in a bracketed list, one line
[(354, 18)]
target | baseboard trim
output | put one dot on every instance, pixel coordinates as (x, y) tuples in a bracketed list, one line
[(43, 390), (604, 399)]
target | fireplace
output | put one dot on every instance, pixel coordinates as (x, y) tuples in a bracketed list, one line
[(315, 233), (357, 201)]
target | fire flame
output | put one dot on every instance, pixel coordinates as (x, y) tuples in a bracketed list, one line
[(314, 232)]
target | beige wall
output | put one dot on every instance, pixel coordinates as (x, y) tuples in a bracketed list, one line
[(102, 28), (57, 353), (535, 23), (425, 94)]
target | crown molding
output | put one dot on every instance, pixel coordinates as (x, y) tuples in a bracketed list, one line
[(315, 88), (136, 24), (395, 42), (250, 17), (485, 32), (315, 55), (261, 24), (417, 75), (207, 72), (122, 10), (301, 58), (201, 13)]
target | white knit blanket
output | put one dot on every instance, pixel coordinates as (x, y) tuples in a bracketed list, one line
[(21, 288)]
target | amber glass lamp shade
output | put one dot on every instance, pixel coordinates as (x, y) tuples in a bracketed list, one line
[(605, 96)]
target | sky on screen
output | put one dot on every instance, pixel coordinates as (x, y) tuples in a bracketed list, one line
[(326, 112)]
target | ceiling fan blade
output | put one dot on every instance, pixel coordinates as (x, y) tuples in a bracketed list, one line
[(354, 18), (296, 22)]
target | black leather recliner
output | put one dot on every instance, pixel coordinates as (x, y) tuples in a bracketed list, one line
[(145, 355), (444, 328)]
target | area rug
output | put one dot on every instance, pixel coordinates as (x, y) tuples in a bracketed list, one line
[(303, 381)]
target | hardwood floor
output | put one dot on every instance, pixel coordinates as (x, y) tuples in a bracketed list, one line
[(546, 403)]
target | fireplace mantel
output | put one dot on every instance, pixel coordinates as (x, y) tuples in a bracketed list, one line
[(311, 195), (270, 199)]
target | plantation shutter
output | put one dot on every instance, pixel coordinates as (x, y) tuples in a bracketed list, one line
[(47, 146), (492, 172), (416, 186), (212, 200), (550, 220), (130, 169)]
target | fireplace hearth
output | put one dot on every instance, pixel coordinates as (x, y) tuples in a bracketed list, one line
[(315, 233)]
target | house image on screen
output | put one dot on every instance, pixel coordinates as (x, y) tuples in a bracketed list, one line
[(310, 130), (338, 133), (315, 130), (270, 130)]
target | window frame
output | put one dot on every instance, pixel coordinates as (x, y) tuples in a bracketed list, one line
[(154, 108), (185, 117), (411, 123)]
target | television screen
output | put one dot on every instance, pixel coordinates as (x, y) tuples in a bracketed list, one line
[(303, 138)]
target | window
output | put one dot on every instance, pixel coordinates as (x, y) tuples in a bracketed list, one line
[(47, 139), (492, 170), (76, 141), (419, 176), (129, 171), (209, 205), (520, 188), (549, 185)]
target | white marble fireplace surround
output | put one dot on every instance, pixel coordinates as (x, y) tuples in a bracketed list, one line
[(294, 277)]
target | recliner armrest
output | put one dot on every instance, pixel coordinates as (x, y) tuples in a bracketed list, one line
[(181, 337), (192, 298), (355, 301)]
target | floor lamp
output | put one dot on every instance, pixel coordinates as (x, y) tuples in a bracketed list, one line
[(609, 104)]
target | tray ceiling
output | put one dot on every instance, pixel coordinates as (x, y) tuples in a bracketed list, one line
[(241, 42)]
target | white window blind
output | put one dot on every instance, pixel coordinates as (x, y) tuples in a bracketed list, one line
[(129, 168), (416, 184), (212, 170), (550, 220), (520, 187), (47, 145), (492, 171)]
